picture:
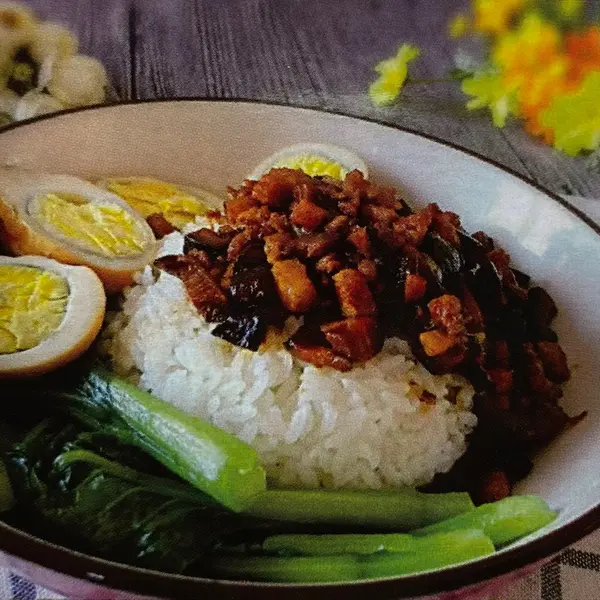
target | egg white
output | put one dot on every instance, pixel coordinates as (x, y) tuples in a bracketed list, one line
[(81, 324)]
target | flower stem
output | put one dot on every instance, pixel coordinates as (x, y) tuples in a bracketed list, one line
[(425, 81)]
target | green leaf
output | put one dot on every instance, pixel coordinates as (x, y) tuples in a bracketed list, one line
[(488, 90), (460, 74), (575, 118), (113, 502)]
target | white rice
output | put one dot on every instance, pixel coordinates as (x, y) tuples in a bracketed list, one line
[(312, 427)]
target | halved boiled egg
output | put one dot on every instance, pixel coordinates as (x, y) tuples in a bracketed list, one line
[(74, 222), (50, 314), (314, 160), (179, 204)]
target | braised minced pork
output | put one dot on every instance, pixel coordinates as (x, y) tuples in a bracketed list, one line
[(358, 265)]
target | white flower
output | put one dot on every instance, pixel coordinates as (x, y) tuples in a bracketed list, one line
[(52, 39), (16, 29), (17, 25), (51, 42), (78, 81), (47, 59), (35, 103), (8, 102)]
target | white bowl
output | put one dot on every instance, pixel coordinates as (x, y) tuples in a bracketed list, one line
[(215, 144)]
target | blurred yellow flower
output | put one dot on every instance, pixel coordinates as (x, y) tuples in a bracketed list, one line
[(488, 90), (542, 66), (520, 53), (548, 81), (494, 16), (536, 94), (574, 118), (392, 75), (459, 26)]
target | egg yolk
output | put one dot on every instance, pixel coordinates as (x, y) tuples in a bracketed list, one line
[(33, 303), (148, 197), (103, 228), (314, 165)]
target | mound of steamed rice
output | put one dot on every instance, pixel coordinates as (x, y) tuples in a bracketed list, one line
[(368, 428)]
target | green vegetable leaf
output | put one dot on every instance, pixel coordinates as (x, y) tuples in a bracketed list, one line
[(113, 501), (209, 458)]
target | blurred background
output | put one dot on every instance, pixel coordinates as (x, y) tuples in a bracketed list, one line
[(323, 54)]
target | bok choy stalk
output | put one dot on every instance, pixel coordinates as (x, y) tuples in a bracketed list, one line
[(466, 545), (209, 458), (397, 510), (95, 492), (504, 521), (363, 543)]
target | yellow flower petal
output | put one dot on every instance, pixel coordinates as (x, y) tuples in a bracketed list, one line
[(392, 75), (493, 16), (534, 42)]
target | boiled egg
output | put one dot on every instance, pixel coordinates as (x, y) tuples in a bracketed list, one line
[(314, 160), (74, 222), (179, 204), (50, 314)]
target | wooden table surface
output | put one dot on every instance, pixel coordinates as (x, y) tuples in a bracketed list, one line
[(314, 53)]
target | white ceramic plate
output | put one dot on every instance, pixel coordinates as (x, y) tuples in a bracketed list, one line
[(214, 144)]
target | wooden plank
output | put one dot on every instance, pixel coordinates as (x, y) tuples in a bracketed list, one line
[(304, 53), (103, 32), (552, 169), (215, 49), (307, 53)]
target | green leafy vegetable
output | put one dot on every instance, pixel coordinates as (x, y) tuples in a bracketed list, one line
[(306, 569), (209, 458), (103, 475), (504, 521), (113, 500), (400, 510)]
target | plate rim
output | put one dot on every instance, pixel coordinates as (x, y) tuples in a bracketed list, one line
[(124, 577)]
